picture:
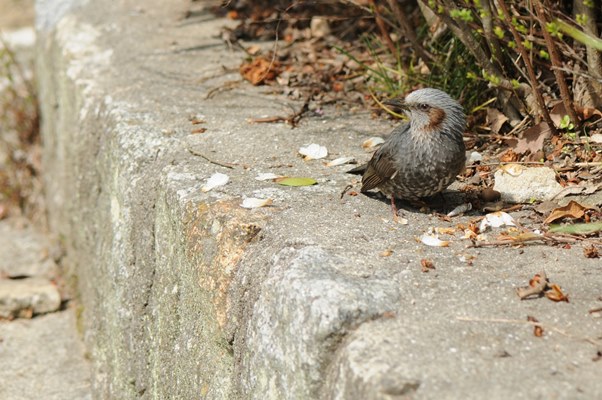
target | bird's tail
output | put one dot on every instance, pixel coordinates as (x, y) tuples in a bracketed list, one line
[(359, 170)]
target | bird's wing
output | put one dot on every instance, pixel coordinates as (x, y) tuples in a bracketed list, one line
[(380, 169)]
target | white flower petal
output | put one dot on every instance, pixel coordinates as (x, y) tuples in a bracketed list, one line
[(252, 202), (462, 208), (340, 161), (433, 240), (267, 176), (496, 220), (214, 181), (313, 152)]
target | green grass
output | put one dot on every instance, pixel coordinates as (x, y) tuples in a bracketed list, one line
[(454, 71)]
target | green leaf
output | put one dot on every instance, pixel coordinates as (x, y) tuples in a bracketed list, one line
[(544, 54), (499, 32), (296, 181), (577, 229)]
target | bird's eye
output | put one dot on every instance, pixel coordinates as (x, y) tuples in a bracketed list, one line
[(423, 106)]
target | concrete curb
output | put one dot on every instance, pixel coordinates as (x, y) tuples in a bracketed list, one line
[(188, 295)]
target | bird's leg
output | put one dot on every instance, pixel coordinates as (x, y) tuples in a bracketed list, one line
[(394, 208)]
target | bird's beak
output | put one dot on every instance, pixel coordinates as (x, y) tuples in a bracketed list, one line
[(397, 103)]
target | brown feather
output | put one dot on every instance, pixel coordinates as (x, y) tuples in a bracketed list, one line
[(380, 169)]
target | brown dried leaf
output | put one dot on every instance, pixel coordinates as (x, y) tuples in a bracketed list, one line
[(537, 329), (557, 113), (509, 155), (496, 119), (260, 70), (587, 112), (426, 265), (532, 139), (556, 294), (591, 252), (572, 210), (386, 253)]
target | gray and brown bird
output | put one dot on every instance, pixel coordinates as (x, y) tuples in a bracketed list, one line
[(423, 155)]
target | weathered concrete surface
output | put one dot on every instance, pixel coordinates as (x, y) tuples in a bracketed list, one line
[(25, 251), (187, 295), (43, 358), (29, 296)]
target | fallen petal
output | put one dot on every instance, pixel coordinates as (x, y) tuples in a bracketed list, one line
[(267, 176), (252, 202), (340, 161), (462, 208), (433, 240), (313, 152), (495, 220), (215, 180)]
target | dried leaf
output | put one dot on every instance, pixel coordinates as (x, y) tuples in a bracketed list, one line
[(216, 180), (313, 152), (557, 113), (537, 329), (588, 112), (577, 229), (426, 265), (260, 70), (572, 210), (556, 294), (445, 231), (295, 181), (532, 139), (591, 252), (512, 169), (251, 202), (496, 119)]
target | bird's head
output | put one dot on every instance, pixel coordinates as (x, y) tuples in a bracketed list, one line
[(432, 111)]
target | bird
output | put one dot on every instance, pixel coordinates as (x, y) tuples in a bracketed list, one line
[(422, 156)]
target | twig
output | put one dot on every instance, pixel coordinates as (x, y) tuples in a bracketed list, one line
[(538, 289), (532, 77), (493, 164), (221, 164), (380, 23), (347, 188), (513, 242), (555, 59), (532, 323), (408, 30), (292, 119), (228, 85)]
